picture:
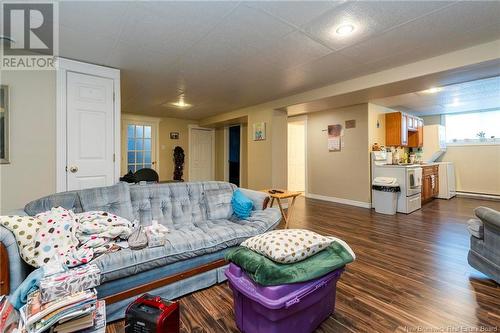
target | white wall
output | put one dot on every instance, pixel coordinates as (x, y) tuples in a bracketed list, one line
[(31, 173)]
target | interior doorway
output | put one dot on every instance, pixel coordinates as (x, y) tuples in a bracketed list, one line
[(234, 156), (201, 154), (297, 154)]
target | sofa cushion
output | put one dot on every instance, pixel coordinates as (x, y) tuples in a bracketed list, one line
[(218, 197), (186, 241), (112, 199), (68, 200), (170, 204), (476, 228)]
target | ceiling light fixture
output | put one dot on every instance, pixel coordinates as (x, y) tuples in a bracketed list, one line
[(456, 102), (181, 103), (345, 29), (432, 90)]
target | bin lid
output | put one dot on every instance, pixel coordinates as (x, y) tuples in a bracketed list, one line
[(385, 181), (277, 297)]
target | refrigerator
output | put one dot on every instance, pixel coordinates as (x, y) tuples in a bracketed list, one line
[(434, 147), (434, 142), (447, 187)]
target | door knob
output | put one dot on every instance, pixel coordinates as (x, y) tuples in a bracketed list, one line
[(73, 169)]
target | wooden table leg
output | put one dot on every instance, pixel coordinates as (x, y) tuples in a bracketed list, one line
[(290, 209), (283, 213), (272, 201)]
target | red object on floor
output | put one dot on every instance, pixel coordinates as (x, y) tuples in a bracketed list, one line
[(152, 314)]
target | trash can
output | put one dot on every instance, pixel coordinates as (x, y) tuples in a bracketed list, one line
[(385, 195)]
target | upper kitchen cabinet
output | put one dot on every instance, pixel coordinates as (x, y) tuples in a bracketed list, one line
[(416, 136), (403, 130)]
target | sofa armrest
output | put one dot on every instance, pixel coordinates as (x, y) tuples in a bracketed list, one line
[(17, 212), (14, 269), (488, 216), (259, 199), (476, 228)]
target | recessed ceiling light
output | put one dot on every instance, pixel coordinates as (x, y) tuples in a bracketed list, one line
[(432, 90), (456, 102), (181, 103), (345, 29)]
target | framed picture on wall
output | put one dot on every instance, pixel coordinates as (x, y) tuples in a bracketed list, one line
[(174, 135), (4, 124), (259, 131)]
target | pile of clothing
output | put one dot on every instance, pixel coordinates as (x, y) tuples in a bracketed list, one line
[(62, 236), (290, 256)]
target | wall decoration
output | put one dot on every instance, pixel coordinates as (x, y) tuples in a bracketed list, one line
[(259, 131), (174, 135), (334, 133), (4, 124), (179, 163), (350, 123)]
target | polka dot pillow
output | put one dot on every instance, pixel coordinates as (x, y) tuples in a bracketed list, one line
[(289, 245), (24, 229)]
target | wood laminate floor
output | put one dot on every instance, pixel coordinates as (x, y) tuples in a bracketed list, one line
[(411, 273)]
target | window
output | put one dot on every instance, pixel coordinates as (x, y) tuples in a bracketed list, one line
[(473, 127), (138, 147)]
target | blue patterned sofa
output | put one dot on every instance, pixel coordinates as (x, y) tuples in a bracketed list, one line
[(202, 229)]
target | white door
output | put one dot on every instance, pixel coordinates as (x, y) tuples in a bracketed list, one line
[(296, 156), (90, 131), (201, 155)]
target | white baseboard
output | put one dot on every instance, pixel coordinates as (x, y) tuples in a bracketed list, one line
[(340, 200), (478, 196)]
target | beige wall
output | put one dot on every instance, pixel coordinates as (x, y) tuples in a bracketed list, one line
[(31, 173), (167, 145), (260, 168), (344, 174), (377, 134), (477, 167)]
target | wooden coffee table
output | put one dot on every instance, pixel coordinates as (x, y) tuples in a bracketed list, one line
[(285, 195)]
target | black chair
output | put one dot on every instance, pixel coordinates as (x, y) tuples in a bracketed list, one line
[(147, 175)]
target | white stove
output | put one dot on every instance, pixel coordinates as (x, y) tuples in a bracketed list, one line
[(409, 177)]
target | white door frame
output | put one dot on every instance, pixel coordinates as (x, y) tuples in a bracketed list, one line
[(302, 118), (226, 151), (64, 66), (134, 118), (212, 131)]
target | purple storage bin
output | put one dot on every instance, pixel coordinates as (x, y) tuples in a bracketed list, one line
[(296, 307)]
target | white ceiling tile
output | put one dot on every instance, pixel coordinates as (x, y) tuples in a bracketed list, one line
[(78, 45), (102, 18), (455, 27), (293, 50), (369, 18), (295, 12), (226, 55), (468, 96)]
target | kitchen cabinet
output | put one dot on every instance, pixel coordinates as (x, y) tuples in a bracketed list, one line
[(430, 182), (396, 133), (403, 130), (416, 137)]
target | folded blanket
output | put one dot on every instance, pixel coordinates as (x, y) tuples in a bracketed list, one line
[(269, 273)]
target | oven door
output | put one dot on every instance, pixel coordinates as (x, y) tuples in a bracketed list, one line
[(413, 181)]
